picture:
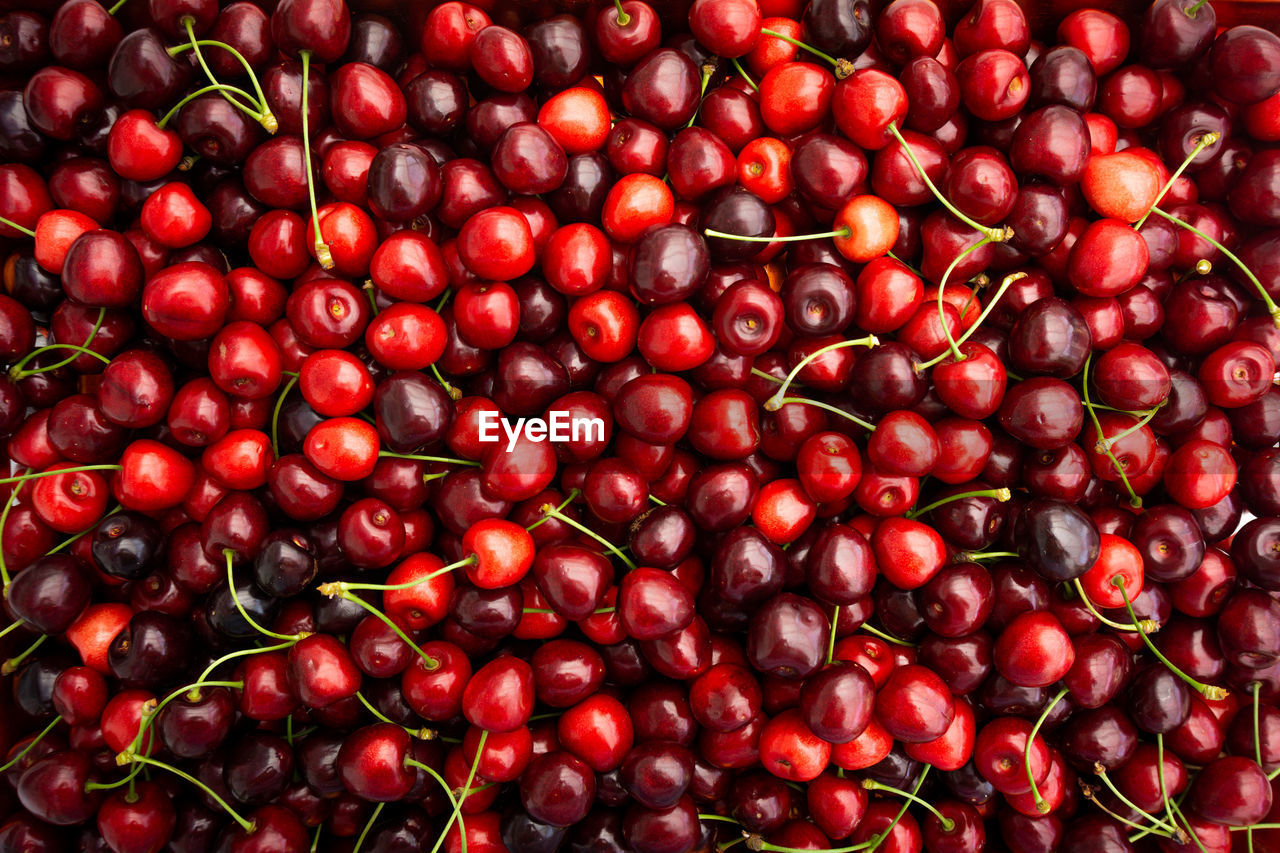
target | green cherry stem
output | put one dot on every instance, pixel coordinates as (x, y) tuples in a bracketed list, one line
[(708, 68), (430, 662), (17, 373), (952, 345), (994, 235), (1110, 441), (244, 614), (573, 495), (1087, 791), (4, 517), (1164, 788), (1272, 308), (624, 20), (1101, 773), (1134, 500), (879, 839), (151, 710), (1257, 738), (266, 119), (336, 588), (775, 402), (835, 410), (16, 227), (1041, 806), (979, 556), (240, 653), (1202, 143), (843, 67), (11, 628), (16, 661), (275, 415), (1005, 284), (1190, 830), (1001, 495), (321, 247), (12, 761), (550, 511), (791, 238), (229, 92), (246, 825), (1145, 626), (831, 640), (872, 785), (466, 791), (745, 75), (448, 792), (22, 478), (887, 637), (377, 810), (418, 456), (1208, 691)]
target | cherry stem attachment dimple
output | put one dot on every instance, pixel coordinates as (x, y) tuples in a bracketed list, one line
[(872, 785), (624, 20), (1272, 308), (995, 235), (1001, 495), (551, 511), (775, 402), (1208, 691)]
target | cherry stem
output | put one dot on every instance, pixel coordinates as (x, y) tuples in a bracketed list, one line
[(1001, 495), (151, 710), (244, 614), (765, 31), (1208, 691), (466, 791), (755, 371), (454, 393), (215, 87), (1101, 773), (1190, 830), (246, 825), (952, 345), (657, 501), (321, 247), (1134, 500), (775, 402), (421, 734), (448, 792), (979, 556), (16, 227), (743, 72), (16, 661), (443, 459), (831, 640), (553, 512), (1087, 791), (1005, 284), (431, 663), (807, 401), (116, 7), (791, 238), (708, 68), (1272, 308), (995, 235), (4, 517), (32, 745), (1202, 143), (887, 637), (208, 670), (266, 119), (275, 415), (872, 785), (227, 91), (1257, 738), (1145, 626), (22, 478), (338, 587), (377, 810), (624, 20), (879, 839), (721, 818), (1164, 789), (1041, 806), (1110, 441), (11, 628), (573, 495), (17, 374)]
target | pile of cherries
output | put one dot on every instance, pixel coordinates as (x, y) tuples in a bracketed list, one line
[(914, 483)]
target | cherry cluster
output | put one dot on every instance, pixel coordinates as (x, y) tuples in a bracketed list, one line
[(638, 426)]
